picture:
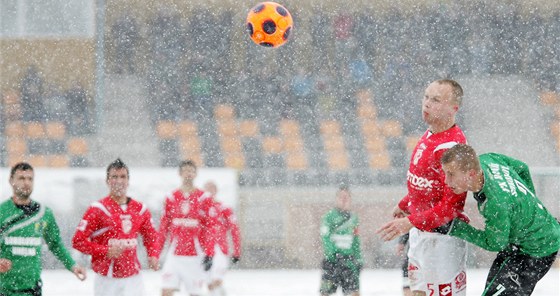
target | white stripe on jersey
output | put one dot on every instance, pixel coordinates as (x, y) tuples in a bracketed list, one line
[(101, 207), (446, 145)]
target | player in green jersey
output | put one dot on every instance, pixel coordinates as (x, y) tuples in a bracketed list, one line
[(24, 223), (342, 260), (518, 226)]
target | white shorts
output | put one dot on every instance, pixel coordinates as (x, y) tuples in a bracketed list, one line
[(220, 265), (186, 270), (110, 286), (437, 264)]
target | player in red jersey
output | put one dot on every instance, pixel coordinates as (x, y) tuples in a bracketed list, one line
[(437, 263), (186, 221), (108, 232), (224, 224)]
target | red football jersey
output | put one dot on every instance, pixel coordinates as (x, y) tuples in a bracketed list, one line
[(429, 201), (186, 220), (106, 223), (225, 222)]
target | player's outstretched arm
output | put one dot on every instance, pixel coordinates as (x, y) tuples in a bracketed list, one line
[(80, 272), (394, 229)]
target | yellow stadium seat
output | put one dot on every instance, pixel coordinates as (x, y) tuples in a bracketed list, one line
[(375, 144), (370, 128), (333, 143), (367, 111), (166, 130), (411, 142), (550, 98), (189, 145)]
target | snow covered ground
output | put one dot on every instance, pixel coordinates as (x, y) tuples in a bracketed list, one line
[(284, 283)]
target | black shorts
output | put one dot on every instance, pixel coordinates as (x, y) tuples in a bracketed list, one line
[(513, 273), (339, 275)]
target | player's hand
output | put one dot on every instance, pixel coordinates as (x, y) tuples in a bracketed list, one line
[(80, 272), (5, 265), (153, 263), (398, 213), (235, 259), (207, 263), (115, 251), (394, 229)]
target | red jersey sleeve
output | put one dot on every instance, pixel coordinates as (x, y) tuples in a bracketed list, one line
[(164, 223), (231, 221), (206, 235), (403, 204), (151, 237), (82, 238)]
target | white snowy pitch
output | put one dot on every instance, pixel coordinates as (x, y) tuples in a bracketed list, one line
[(378, 282)]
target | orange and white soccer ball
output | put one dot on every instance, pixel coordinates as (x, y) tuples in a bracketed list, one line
[(269, 24)]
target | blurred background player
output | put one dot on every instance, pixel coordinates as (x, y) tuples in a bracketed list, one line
[(437, 263), (342, 260), (225, 225), (401, 250), (186, 220), (109, 233), (517, 225), (23, 224)]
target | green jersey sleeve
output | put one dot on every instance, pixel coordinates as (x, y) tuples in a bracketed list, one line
[(51, 234)]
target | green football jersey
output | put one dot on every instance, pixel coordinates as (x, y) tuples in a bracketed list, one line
[(513, 213), (339, 233), (21, 243)]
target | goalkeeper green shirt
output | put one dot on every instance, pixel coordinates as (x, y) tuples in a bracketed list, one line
[(513, 213), (339, 233), (22, 230)]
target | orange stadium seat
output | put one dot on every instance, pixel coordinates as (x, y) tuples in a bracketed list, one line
[(235, 160), (14, 129), (227, 128), (289, 127), (296, 161), (58, 161), (364, 97), (55, 130), (411, 142), (338, 161), (38, 160), (550, 98), (367, 111), (370, 128), (376, 144), (224, 111), (187, 129), (272, 145), (35, 130), (335, 143), (166, 130), (230, 144), (16, 146), (249, 128), (77, 146), (391, 128), (293, 144), (380, 161), (189, 145), (330, 127)]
